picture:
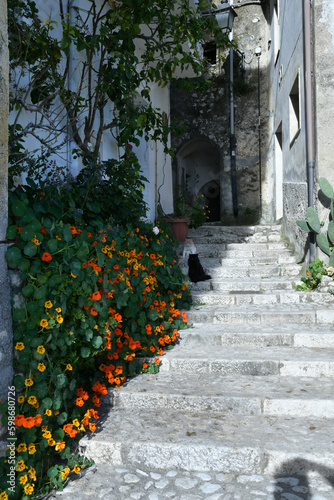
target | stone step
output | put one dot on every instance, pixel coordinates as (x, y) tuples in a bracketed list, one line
[(250, 361), (245, 262), (212, 298), (254, 271), (243, 395), (273, 242), (199, 441), (246, 285), (212, 229), (284, 334), (257, 315), (220, 251)]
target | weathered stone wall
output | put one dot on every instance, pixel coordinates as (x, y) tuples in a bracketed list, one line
[(206, 115), (5, 308)]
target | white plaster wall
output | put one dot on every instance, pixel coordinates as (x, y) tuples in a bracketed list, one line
[(324, 85)]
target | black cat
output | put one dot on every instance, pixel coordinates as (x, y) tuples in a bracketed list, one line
[(196, 272)]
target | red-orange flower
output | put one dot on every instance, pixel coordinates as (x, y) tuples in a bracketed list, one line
[(46, 257), (95, 296), (93, 312)]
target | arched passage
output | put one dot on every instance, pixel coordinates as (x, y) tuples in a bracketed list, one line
[(197, 169)]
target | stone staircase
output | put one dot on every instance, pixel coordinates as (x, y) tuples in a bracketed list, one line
[(249, 389)]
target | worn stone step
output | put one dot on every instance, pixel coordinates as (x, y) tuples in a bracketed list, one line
[(211, 229), (298, 397), (254, 271), (284, 334), (213, 298), (246, 285), (251, 361), (219, 251), (256, 314), (198, 441)]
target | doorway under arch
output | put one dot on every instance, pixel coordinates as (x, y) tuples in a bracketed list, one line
[(197, 169)]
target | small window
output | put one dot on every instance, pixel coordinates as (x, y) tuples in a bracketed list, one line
[(294, 111), (210, 52)]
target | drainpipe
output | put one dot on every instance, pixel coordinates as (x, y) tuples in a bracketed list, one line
[(309, 113), (232, 132)]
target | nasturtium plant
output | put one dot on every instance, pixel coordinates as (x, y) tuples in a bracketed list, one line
[(102, 303)]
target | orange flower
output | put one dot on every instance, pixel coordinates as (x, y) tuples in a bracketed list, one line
[(46, 257), (60, 445), (118, 317), (79, 402), (29, 422), (95, 296), (93, 312), (152, 348)]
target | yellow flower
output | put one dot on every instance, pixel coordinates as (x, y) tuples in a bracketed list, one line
[(31, 449), (22, 447), (44, 323), (41, 367), (3, 496), (60, 319), (24, 479), (48, 413), (60, 446), (19, 346), (35, 240), (41, 349), (48, 304), (47, 435), (65, 473), (73, 275), (51, 442), (44, 428), (36, 405), (32, 400), (20, 466), (76, 469), (28, 382), (20, 399), (69, 367), (28, 489), (76, 422), (56, 412), (57, 238), (32, 473)]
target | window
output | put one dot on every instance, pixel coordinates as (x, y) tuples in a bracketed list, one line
[(210, 52), (277, 35), (294, 110)]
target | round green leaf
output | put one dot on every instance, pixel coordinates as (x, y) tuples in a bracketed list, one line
[(28, 290), (97, 342), (30, 249), (18, 208), (52, 245), (85, 352), (62, 418), (13, 256), (19, 314), (11, 232), (24, 264), (52, 472), (27, 233), (326, 187)]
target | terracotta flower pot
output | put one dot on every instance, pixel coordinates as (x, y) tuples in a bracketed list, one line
[(180, 229)]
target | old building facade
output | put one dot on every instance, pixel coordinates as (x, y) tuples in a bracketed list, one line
[(283, 100)]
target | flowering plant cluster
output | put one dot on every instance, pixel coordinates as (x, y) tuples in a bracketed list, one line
[(99, 303)]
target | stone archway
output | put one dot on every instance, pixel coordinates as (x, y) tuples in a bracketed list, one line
[(197, 168)]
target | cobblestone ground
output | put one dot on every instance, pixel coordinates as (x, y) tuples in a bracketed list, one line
[(122, 483)]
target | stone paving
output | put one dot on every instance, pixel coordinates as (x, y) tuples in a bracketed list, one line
[(123, 483), (242, 408)]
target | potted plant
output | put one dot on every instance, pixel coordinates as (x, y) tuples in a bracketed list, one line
[(186, 215)]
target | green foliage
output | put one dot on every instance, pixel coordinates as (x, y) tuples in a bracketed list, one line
[(193, 211), (324, 239), (108, 69), (314, 276), (99, 301)]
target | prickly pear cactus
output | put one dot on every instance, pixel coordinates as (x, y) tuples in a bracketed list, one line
[(324, 238)]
